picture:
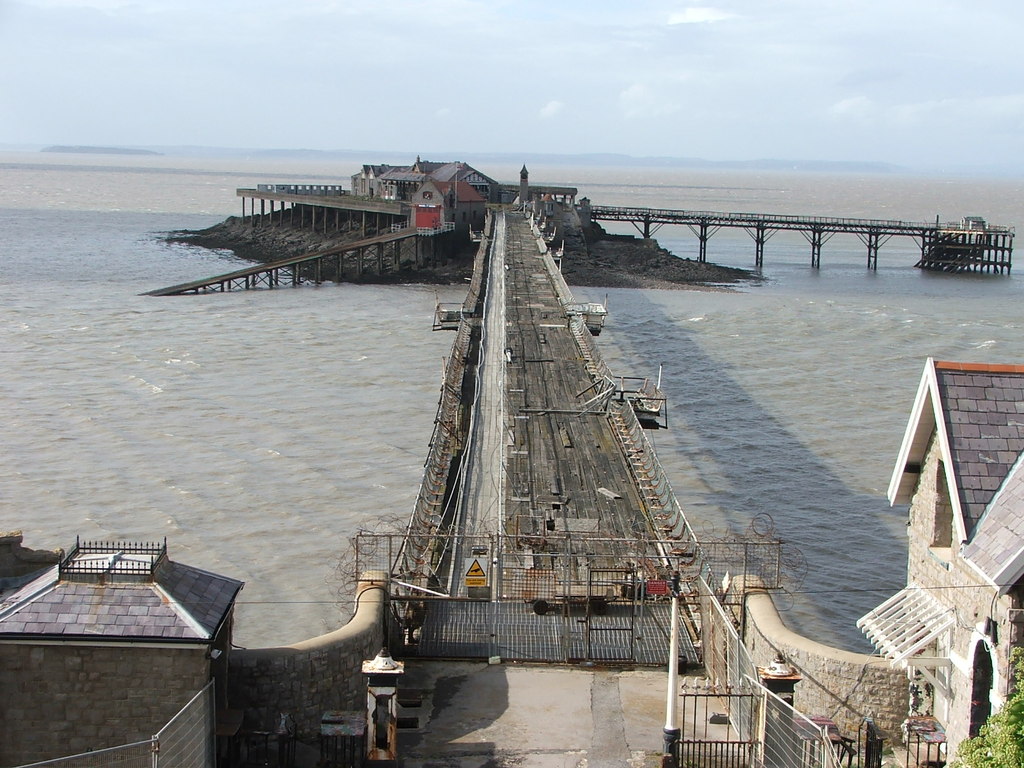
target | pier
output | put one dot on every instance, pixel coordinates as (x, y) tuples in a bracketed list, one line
[(545, 528), (970, 245)]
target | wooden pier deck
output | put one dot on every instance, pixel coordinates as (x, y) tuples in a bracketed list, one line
[(566, 471), (558, 515)]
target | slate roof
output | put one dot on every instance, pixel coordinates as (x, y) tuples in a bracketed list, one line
[(450, 171), (160, 601), (464, 191), (983, 411), (997, 547), (427, 166), (403, 174)]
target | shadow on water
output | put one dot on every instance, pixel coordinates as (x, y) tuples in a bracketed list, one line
[(729, 459)]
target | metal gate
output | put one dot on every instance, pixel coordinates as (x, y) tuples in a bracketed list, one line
[(719, 729), (539, 613), (564, 600), (611, 634), (623, 631)]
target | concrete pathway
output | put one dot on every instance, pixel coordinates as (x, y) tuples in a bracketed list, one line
[(476, 715)]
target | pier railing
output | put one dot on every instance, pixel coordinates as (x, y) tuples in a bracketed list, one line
[(425, 542), (781, 220), (318, 190), (417, 561)]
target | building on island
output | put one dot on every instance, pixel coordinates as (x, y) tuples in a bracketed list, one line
[(954, 626), (105, 646), (457, 191)]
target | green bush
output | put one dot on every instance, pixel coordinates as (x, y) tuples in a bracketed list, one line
[(1000, 744)]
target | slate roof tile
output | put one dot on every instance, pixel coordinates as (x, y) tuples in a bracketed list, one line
[(199, 603), (981, 406), (998, 539)]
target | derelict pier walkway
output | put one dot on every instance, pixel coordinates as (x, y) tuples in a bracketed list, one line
[(379, 254), (545, 528), (970, 245)]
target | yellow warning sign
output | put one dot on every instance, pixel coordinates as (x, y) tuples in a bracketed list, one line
[(476, 574)]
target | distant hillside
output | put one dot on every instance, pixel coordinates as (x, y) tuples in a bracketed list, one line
[(99, 150)]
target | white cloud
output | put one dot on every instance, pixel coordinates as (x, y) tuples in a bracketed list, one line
[(551, 109), (700, 15)]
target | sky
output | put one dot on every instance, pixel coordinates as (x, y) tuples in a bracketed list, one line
[(917, 83)]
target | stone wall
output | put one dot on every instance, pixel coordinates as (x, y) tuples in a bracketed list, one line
[(16, 560), (68, 698), (934, 562), (309, 678), (841, 685)]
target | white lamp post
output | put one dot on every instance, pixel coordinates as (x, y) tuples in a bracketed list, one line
[(672, 731)]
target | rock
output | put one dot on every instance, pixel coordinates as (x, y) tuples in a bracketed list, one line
[(591, 257)]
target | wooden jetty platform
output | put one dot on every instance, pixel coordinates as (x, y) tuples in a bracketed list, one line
[(970, 245)]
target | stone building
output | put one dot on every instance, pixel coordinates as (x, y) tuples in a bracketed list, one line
[(955, 624), (400, 182), (460, 191), (105, 646), (466, 208)]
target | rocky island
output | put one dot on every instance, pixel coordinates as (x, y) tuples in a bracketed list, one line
[(591, 256)]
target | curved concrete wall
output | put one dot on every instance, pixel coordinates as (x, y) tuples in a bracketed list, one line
[(308, 678), (842, 685)]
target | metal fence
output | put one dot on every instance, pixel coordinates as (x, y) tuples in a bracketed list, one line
[(551, 597), (708, 721), (778, 734), (188, 740), (136, 755), (610, 592)]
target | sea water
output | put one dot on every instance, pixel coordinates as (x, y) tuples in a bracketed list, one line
[(258, 431)]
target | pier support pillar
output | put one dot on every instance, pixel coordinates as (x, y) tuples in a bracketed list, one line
[(761, 234), (873, 239), (703, 231), (817, 236)]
